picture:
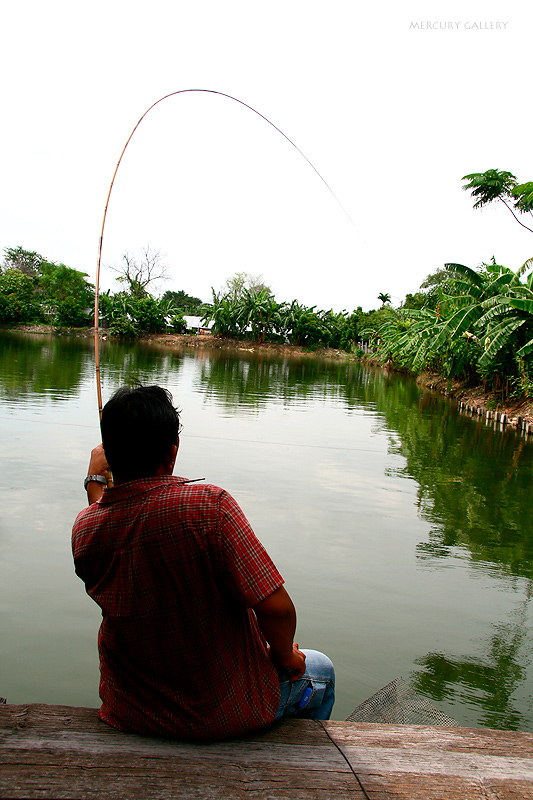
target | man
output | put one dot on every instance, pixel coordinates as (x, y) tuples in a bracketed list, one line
[(189, 596)]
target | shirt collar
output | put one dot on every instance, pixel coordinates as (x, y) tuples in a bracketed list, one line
[(136, 487)]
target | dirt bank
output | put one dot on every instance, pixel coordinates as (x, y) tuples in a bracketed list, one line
[(476, 397), (206, 341)]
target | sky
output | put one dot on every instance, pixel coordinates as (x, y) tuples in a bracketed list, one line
[(392, 103)]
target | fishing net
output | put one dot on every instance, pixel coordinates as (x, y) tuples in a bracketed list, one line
[(398, 704)]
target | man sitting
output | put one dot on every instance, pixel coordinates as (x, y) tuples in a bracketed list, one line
[(196, 639)]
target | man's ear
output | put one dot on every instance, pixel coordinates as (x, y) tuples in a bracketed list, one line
[(173, 454), (170, 459)]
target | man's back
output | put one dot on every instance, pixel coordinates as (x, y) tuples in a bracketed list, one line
[(176, 569)]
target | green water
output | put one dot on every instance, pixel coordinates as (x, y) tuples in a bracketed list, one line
[(403, 529)]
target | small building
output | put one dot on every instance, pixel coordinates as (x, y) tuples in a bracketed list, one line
[(194, 324)]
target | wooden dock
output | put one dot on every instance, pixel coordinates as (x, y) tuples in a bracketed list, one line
[(52, 752)]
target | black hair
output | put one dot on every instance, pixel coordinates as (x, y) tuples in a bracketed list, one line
[(139, 426)]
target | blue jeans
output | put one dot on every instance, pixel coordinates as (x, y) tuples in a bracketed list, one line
[(311, 696)]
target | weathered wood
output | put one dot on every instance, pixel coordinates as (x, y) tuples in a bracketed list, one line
[(54, 752), (62, 752), (414, 761)]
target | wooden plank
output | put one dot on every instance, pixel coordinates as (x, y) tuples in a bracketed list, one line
[(53, 752), (414, 761), (59, 752)]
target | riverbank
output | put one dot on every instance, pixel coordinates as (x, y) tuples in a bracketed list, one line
[(517, 410), (201, 341)]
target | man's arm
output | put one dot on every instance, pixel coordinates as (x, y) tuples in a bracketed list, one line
[(97, 466), (276, 616)]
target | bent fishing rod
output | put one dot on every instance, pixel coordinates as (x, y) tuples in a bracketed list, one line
[(101, 240)]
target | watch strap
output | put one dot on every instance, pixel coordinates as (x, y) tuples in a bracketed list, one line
[(94, 479)]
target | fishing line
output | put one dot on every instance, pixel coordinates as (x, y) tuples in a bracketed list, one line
[(212, 438), (100, 243), (345, 757)]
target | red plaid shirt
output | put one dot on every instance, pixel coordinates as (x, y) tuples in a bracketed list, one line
[(176, 570)]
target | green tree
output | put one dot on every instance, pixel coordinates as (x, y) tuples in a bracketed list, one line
[(523, 194), (16, 297), (183, 301), (116, 310), (27, 261), (65, 294), (307, 328), (149, 314), (499, 185), (349, 333), (384, 297)]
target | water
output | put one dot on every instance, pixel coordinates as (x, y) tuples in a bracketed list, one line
[(403, 529)]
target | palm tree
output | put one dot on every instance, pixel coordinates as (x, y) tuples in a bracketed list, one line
[(384, 297), (495, 184)]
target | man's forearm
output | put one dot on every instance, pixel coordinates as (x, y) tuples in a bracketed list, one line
[(276, 616), (94, 492)]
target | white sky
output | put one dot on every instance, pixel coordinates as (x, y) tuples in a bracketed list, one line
[(392, 116)]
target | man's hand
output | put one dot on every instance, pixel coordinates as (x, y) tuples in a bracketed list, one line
[(97, 466), (296, 664)]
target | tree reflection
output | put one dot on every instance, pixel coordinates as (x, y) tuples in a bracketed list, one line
[(487, 682), (474, 486), (33, 364), (37, 364), (249, 380)]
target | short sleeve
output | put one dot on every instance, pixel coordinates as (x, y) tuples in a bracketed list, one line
[(249, 571)]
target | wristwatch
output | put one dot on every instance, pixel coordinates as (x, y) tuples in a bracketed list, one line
[(94, 479)]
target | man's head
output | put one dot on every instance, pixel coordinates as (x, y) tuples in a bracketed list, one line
[(140, 427)]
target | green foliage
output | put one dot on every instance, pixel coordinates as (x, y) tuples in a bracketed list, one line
[(27, 261), (259, 310), (149, 314), (126, 316), (71, 313), (498, 185), (175, 322), (64, 294), (16, 297), (124, 328), (481, 328), (349, 331), (33, 289), (183, 301), (494, 184), (523, 194), (224, 312)]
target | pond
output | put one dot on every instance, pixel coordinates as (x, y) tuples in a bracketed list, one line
[(402, 528)]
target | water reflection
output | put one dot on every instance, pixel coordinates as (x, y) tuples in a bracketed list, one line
[(474, 486), (487, 681), (247, 380), (42, 365)]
